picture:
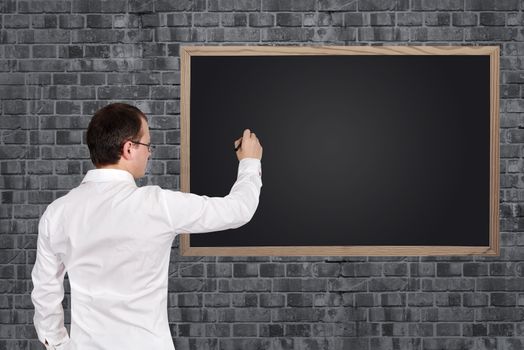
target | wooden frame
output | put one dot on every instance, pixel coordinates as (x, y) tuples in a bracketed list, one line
[(493, 51)]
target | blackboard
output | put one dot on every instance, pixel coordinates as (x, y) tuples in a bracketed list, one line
[(367, 151)]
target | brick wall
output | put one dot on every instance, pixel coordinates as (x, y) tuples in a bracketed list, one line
[(60, 60)]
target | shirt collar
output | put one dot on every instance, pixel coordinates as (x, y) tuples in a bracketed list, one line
[(106, 175)]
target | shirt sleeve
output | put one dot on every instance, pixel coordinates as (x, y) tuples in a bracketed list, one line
[(48, 291), (190, 213)]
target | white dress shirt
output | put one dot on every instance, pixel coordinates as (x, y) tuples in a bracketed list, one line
[(114, 240)]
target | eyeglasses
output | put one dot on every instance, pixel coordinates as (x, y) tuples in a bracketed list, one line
[(150, 147)]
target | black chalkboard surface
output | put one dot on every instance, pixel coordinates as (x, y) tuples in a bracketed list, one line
[(359, 150)]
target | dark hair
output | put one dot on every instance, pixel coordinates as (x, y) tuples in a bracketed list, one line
[(108, 130)]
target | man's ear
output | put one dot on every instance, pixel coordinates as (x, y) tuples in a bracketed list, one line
[(126, 150)]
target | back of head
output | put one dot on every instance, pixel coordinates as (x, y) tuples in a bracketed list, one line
[(109, 129)]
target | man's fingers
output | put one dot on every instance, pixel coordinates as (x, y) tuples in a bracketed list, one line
[(246, 134)]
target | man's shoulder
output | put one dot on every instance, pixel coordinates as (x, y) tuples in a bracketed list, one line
[(59, 202)]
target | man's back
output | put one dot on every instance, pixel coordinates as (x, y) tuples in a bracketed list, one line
[(114, 240)]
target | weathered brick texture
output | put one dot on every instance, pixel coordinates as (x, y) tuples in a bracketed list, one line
[(61, 60)]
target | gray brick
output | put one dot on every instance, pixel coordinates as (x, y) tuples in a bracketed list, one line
[(298, 270), (299, 300), (65, 79), (14, 137), (244, 330), (234, 34), (420, 299), (119, 78), (180, 34), (217, 330), (70, 51), (434, 5), (99, 21), (43, 36), (447, 330), (271, 330), (409, 19), (246, 284), (92, 79), (42, 137), (490, 33), (475, 269), (502, 269), (89, 6), (18, 51), (180, 5), (382, 19), (393, 314), (261, 19), (243, 315), (387, 284), (12, 79), (191, 330), (233, 19), (71, 21), (272, 300), (492, 19), (501, 330), (395, 269), (289, 19), (332, 300), (206, 19), (348, 285), (464, 19), (141, 6), (14, 106), (492, 5), (16, 21), (337, 5), (500, 314), (326, 270), (244, 300), (503, 299), (233, 5), (44, 51), (123, 92), (437, 19), (324, 19), (361, 269), (297, 330), (448, 299), (42, 66), (151, 50), (448, 284), (51, 6), (179, 20), (272, 270), (294, 314), (8, 6), (391, 343), (245, 270), (437, 34), (382, 34), (449, 269), (383, 5), (515, 19), (288, 5), (217, 300), (44, 21)]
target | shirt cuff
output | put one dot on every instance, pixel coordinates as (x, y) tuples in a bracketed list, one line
[(250, 165), (58, 345)]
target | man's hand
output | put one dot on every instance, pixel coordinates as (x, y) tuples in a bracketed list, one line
[(249, 146)]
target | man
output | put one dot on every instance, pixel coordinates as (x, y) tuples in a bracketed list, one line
[(114, 239)]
